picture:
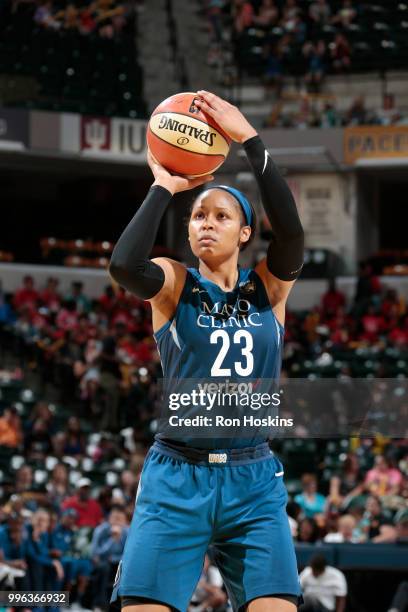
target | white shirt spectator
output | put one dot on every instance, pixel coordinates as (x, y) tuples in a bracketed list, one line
[(325, 587)]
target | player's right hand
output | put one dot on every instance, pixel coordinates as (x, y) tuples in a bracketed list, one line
[(174, 182)]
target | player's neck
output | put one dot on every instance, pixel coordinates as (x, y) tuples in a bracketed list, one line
[(224, 274)]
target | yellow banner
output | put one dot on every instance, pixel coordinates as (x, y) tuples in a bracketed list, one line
[(375, 142)]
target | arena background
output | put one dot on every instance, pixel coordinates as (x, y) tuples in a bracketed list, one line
[(328, 92)]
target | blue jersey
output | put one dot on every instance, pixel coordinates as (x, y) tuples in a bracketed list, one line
[(216, 334)]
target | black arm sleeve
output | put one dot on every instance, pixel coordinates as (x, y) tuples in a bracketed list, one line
[(285, 252), (130, 266)]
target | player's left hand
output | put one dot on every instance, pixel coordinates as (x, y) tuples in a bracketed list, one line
[(228, 116)]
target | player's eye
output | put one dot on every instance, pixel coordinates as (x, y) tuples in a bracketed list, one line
[(199, 215)]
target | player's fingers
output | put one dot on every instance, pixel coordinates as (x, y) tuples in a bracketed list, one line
[(201, 180), (212, 100), (206, 108)]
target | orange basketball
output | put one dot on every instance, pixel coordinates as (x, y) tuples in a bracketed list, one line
[(184, 139)]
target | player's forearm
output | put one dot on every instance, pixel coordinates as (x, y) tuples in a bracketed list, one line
[(285, 253), (130, 265)]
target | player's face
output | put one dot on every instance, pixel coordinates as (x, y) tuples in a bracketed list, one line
[(215, 229)]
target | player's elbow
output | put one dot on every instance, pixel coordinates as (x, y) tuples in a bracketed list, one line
[(118, 271)]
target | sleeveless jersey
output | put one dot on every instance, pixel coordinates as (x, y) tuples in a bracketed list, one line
[(216, 334)]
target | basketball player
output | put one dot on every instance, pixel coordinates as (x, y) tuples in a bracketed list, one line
[(186, 502)]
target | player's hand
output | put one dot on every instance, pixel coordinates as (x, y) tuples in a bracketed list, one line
[(228, 116), (173, 182)]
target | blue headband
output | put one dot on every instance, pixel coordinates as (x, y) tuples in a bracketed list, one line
[(241, 199)]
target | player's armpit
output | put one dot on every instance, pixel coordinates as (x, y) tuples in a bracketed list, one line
[(276, 288)]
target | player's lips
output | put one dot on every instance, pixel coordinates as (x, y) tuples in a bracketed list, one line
[(207, 238)]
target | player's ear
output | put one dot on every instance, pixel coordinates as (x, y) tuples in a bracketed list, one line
[(245, 234)]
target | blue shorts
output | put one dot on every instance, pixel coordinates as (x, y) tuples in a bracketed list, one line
[(230, 501)]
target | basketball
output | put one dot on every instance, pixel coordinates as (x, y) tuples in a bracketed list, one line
[(184, 139)]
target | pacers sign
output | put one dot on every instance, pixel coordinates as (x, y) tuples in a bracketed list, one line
[(375, 142)]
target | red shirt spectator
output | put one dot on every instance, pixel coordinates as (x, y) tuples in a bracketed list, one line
[(107, 300), (333, 299), (67, 317), (50, 296), (243, 15), (373, 325), (88, 510), (27, 295)]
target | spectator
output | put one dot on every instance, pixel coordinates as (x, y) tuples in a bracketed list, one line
[(388, 114), (274, 66), (13, 552), (77, 295), (243, 14), (41, 411), (368, 286), (107, 300), (333, 299), (347, 483), (88, 510), (383, 478), (71, 22), (10, 428), (345, 530), (108, 542), (50, 296), (110, 375), (58, 485), (340, 52), (374, 519), (214, 14), (319, 12), (324, 587), (61, 543), (346, 15), (310, 500), (267, 15), (38, 442), (357, 113), (372, 325), (24, 479), (290, 12), (46, 574), (330, 116), (44, 17), (74, 438), (67, 317), (308, 531), (314, 55), (27, 296), (87, 23)]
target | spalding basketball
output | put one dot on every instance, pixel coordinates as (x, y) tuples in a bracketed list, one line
[(185, 140)]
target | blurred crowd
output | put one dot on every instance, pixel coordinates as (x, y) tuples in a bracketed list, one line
[(104, 17), (377, 317), (75, 461), (321, 111), (272, 39), (283, 27)]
